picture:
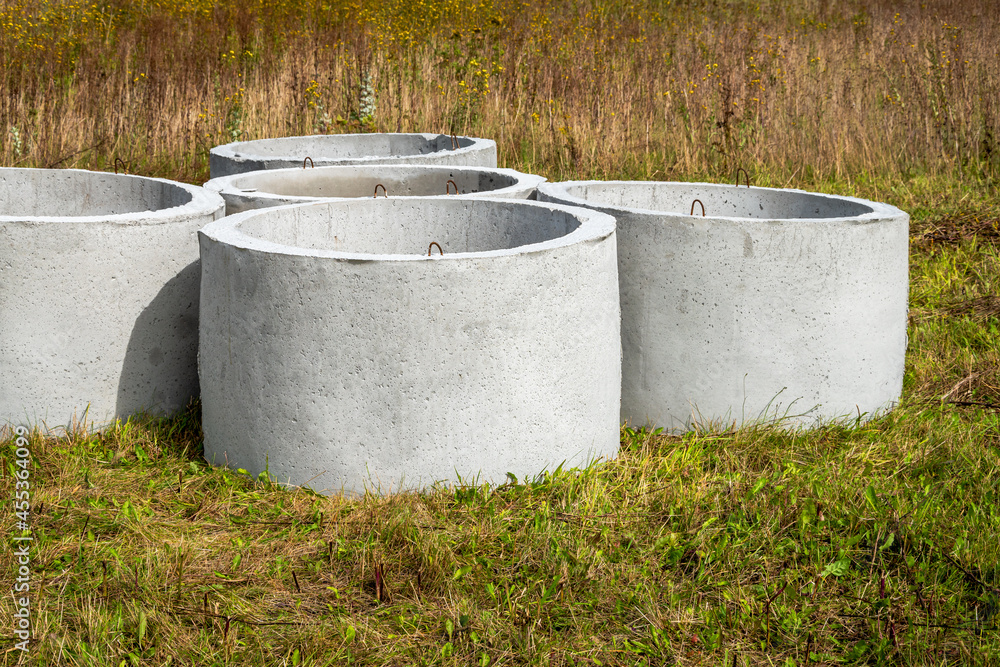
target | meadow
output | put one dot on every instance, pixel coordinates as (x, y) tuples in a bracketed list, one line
[(853, 543)]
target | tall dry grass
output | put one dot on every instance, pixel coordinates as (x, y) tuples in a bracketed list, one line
[(810, 91)]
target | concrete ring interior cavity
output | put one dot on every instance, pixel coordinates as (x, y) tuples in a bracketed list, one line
[(776, 305), (344, 149), (277, 187), (336, 352), (99, 286)]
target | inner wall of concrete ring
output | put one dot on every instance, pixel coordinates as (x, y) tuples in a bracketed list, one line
[(777, 305), (279, 187), (345, 149), (336, 353), (99, 287)]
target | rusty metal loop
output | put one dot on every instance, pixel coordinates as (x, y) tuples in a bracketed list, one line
[(385, 193), (447, 187), (434, 243), (310, 161), (738, 170), (698, 201), (454, 142), (119, 161)]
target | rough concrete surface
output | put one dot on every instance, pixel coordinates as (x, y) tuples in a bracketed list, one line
[(776, 304), (346, 149), (99, 286), (336, 353), (297, 185)]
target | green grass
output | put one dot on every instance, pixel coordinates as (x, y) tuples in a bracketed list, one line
[(850, 544)]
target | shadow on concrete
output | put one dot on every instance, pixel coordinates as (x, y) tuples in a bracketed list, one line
[(160, 371)]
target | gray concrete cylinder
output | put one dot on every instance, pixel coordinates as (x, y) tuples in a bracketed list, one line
[(776, 305), (278, 187), (346, 149), (99, 286), (336, 353)]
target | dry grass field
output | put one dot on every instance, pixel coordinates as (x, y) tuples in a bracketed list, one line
[(869, 96), (870, 543)]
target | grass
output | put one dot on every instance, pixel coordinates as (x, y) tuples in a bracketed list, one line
[(857, 544), (866, 543), (890, 100)]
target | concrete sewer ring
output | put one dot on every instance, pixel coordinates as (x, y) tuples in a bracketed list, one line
[(99, 288), (347, 149), (336, 353), (278, 187), (776, 306)]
